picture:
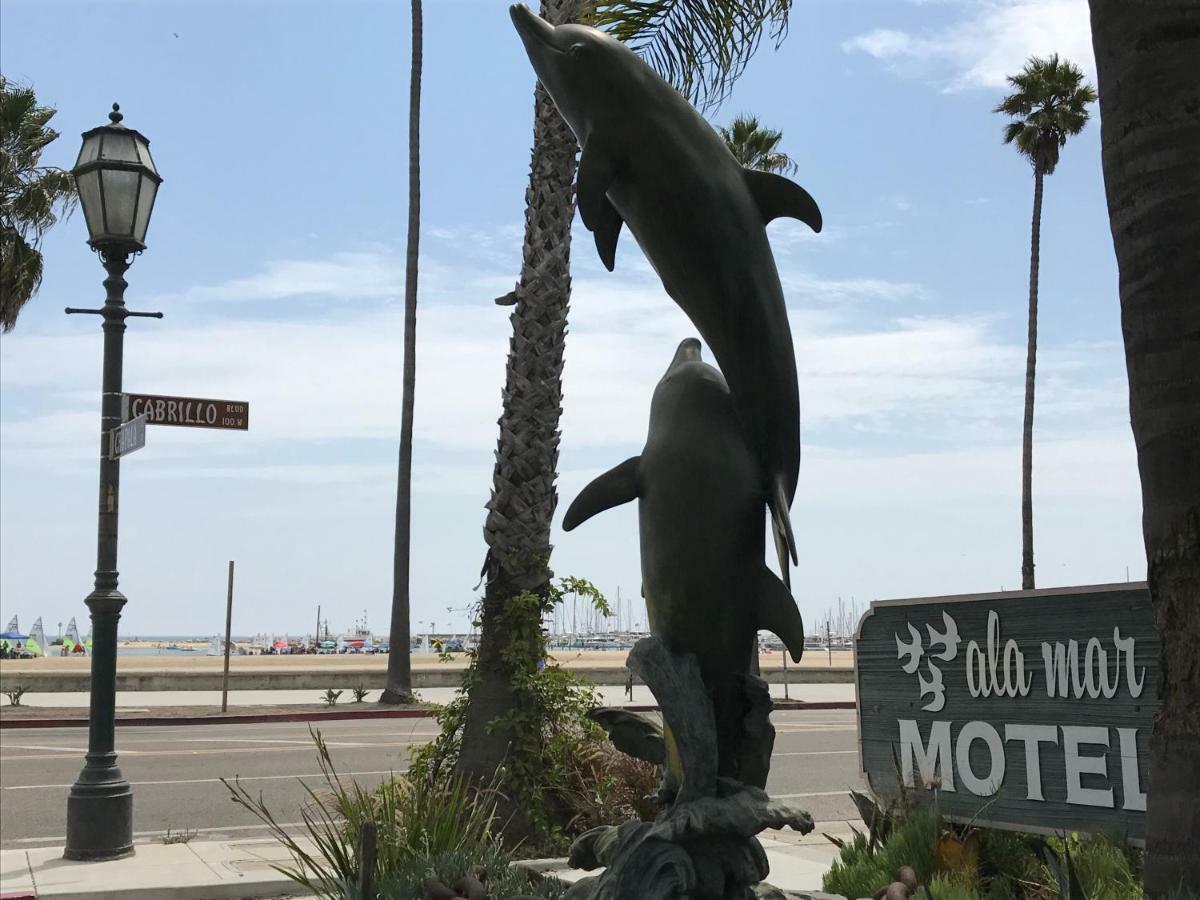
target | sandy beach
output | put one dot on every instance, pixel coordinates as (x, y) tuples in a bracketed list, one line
[(200, 662)]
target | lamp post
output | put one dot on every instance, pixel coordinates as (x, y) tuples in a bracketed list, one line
[(117, 184)]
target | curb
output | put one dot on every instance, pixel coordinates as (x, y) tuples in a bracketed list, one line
[(320, 716)]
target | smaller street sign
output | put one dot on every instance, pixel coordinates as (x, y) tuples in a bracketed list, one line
[(188, 412), (124, 439)]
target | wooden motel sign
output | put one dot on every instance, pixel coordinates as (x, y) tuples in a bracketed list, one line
[(1026, 710), (126, 438), (188, 412)]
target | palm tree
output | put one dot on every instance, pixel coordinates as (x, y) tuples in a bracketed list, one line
[(1049, 104), (756, 147), (398, 688), (32, 197), (1148, 64), (701, 46)]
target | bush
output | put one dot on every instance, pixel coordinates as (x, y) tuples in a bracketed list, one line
[(560, 766), (860, 872), (423, 830), (603, 786), (1011, 865)]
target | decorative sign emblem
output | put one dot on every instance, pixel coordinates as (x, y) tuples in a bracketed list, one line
[(1028, 710), (188, 412), (126, 438)]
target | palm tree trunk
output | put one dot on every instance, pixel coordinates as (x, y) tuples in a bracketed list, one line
[(517, 530), (1035, 241), (1148, 63), (399, 671)]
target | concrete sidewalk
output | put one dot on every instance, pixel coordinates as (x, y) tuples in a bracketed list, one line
[(215, 870)]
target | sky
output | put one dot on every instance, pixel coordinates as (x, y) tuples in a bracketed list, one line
[(276, 252)]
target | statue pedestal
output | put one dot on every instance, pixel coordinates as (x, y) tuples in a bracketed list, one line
[(702, 846)]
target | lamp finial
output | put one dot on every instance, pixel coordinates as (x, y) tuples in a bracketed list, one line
[(116, 116)]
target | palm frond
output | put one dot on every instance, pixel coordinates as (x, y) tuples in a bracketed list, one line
[(32, 197), (699, 46), (1049, 103)]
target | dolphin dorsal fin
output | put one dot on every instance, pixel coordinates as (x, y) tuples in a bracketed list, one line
[(616, 486), (597, 169), (777, 197)]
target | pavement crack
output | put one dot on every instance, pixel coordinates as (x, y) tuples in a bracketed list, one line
[(207, 865)]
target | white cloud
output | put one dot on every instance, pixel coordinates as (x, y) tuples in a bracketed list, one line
[(993, 39), (1100, 466), (336, 373)]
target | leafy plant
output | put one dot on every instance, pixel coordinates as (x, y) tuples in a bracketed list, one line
[(985, 864), (422, 830), (14, 695), (549, 732), (360, 694), (331, 696), (179, 837)]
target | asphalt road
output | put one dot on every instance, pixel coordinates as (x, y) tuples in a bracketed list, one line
[(176, 771)]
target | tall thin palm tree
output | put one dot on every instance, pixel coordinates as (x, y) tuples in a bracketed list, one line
[(701, 46), (1048, 105), (398, 688), (1148, 66), (756, 147), (32, 197)]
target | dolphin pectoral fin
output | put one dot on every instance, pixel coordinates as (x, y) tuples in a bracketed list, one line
[(781, 522), (606, 234), (777, 612), (616, 486), (596, 172), (777, 196)]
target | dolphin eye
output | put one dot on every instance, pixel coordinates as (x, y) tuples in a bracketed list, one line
[(576, 50)]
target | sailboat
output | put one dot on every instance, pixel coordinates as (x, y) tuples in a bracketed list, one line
[(37, 639), (71, 640)]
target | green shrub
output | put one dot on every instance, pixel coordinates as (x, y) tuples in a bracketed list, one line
[(858, 872), (423, 829), (554, 749), (1011, 865)]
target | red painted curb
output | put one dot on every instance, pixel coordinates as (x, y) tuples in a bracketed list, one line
[(318, 716)]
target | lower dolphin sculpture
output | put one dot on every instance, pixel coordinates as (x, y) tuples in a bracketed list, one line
[(700, 509), (651, 161)]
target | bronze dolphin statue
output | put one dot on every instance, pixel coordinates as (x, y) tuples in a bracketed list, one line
[(651, 161), (699, 490)]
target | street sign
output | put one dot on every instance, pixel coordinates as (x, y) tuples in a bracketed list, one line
[(126, 438), (1028, 710), (188, 412)]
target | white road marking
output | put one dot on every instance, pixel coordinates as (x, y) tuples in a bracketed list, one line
[(844, 793), (814, 753), (31, 787)]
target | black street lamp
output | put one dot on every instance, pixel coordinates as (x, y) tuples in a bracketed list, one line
[(117, 184)]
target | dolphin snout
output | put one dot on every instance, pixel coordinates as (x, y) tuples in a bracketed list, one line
[(529, 25), (688, 352)]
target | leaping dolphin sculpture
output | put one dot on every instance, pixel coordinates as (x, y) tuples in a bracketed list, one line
[(708, 590), (651, 161)]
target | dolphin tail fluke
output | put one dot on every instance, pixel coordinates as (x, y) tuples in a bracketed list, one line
[(616, 486), (778, 614), (781, 522)]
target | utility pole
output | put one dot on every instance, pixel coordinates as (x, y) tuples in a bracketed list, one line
[(228, 639)]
